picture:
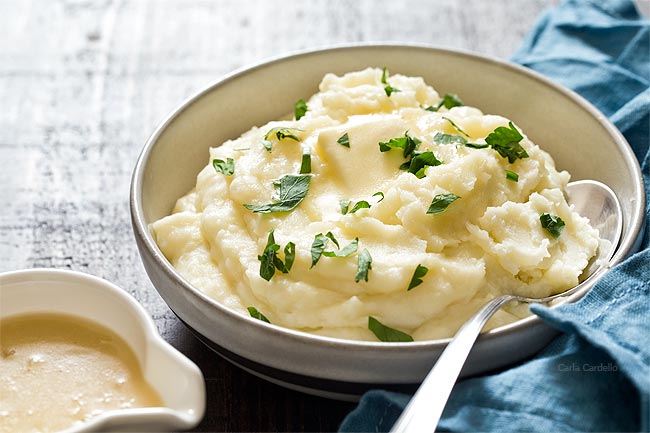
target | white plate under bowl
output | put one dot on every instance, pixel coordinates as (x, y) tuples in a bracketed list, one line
[(578, 136), (176, 379)]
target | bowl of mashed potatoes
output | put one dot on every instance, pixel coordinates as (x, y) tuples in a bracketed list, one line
[(328, 220)]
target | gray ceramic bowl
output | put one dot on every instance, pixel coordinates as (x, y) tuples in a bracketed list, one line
[(577, 135)]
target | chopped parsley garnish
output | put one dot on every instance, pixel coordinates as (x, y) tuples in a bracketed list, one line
[(226, 167), (305, 165), (344, 140), (300, 109), (448, 101), (419, 162), (267, 266), (416, 279), (331, 236), (289, 256), (384, 74), (360, 205), (364, 265), (452, 123), (320, 243), (290, 190), (552, 223), (407, 143), (441, 202), (317, 248), (270, 261), (280, 133), (511, 175), (442, 138), (506, 142), (257, 315), (349, 249), (386, 333), (363, 204), (477, 145), (388, 88), (345, 205)]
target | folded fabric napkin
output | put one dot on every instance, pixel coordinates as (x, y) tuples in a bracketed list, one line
[(596, 376)]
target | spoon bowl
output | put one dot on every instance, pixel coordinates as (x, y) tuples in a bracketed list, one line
[(591, 199)]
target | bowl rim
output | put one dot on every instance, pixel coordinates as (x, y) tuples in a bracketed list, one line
[(164, 414), (626, 245)]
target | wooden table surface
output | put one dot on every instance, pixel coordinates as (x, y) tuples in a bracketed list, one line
[(82, 85)]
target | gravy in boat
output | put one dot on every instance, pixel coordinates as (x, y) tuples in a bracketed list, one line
[(57, 371)]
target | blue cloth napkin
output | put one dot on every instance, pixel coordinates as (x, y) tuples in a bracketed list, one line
[(595, 376)]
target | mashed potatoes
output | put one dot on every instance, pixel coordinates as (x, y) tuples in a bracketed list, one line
[(413, 187)]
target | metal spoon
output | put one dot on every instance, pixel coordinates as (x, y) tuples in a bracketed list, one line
[(590, 199)]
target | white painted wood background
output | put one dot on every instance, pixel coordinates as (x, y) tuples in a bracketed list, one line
[(82, 85)]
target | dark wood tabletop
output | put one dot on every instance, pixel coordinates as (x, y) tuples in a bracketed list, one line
[(82, 85)]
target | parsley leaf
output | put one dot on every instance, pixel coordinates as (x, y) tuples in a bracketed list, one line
[(320, 243), (257, 315), (280, 133), (317, 248), (384, 73), (270, 261), (441, 202), (388, 88), (305, 164), (226, 167), (386, 333), (420, 161), (456, 126), (408, 143), (268, 258), (289, 255), (442, 138), (363, 204), (290, 189), (506, 142), (300, 109), (363, 266), (345, 205), (344, 140), (416, 279), (448, 101), (331, 236), (477, 145), (360, 205), (349, 249), (511, 175), (451, 100), (552, 223)]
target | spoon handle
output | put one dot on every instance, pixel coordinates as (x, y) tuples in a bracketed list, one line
[(425, 408)]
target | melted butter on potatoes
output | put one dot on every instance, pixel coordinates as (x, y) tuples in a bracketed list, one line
[(487, 242)]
